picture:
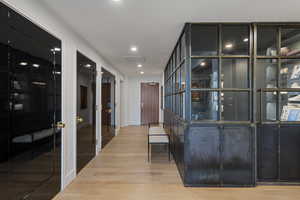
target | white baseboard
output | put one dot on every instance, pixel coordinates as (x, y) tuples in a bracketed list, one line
[(68, 179)]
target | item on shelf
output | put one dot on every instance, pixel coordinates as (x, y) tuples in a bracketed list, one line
[(284, 113), (295, 98), (293, 52), (18, 107), (284, 70), (271, 73), (295, 85), (271, 86), (284, 51), (296, 72), (271, 51), (271, 111), (290, 113), (17, 85)]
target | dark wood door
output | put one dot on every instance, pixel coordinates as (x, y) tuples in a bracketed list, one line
[(149, 103), (106, 113)]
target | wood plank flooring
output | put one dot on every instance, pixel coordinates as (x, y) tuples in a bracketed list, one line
[(121, 172)]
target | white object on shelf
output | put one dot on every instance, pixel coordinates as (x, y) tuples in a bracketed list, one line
[(296, 72)]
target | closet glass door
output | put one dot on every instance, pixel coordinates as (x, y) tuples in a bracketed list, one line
[(4, 102), (30, 109)]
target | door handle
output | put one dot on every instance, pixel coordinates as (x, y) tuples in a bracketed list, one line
[(60, 125), (79, 120)]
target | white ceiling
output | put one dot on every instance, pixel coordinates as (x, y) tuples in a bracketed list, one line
[(154, 25)]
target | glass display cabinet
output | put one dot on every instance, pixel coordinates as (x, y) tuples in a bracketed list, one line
[(231, 95)]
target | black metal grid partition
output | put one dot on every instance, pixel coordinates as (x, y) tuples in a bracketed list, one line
[(216, 83), (277, 84)]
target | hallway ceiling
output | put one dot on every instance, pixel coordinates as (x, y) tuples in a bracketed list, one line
[(154, 25)]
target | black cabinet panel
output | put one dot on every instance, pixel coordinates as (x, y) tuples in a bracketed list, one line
[(202, 156), (267, 152), (290, 153), (237, 156), (29, 107)]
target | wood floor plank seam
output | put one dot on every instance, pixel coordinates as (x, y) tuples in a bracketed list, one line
[(121, 172)]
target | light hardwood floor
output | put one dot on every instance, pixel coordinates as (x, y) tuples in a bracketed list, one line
[(121, 172)]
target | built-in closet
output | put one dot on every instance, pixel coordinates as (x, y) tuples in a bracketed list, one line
[(232, 103), (30, 109)]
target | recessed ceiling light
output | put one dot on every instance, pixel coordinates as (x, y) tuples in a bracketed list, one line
[(246, 39), (133, 49), (116, 0), (140, 65), (142, 72), (228, 45), (23, 63), (36, 65), (203, 64)]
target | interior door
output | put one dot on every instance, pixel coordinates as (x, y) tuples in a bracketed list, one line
[(108, 107), (31, 105), (86, 110), (149, 103)]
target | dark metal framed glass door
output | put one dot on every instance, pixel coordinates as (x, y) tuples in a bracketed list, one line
[(277, 67)]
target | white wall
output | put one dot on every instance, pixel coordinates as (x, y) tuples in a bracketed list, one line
[(71, 42), (131, 98)]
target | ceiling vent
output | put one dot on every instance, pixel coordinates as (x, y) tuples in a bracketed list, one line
[(135, 59)]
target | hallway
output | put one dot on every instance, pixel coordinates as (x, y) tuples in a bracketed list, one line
[(121, 172)]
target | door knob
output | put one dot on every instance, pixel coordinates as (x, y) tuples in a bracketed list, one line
[(79, 119), (60, 125)]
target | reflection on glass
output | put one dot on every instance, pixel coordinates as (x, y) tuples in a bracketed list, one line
[(235, 106), (178, 80), (235, 39), (235, 73), (290, 106), (182, 54), (178, 56), (178, 104), (290, 73), (267, 41), (204, 105), (266, 73), (86, 78), (174, 103), (204, 40), (205, 73), (183, 78), (269, 106), (290, 42)]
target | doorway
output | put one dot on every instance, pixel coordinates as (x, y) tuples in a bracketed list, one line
[(108, 107), (86, 111), (149, 103)]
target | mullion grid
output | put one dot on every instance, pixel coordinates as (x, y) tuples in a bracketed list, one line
[(279, 89), (221, 57), (175, 64)]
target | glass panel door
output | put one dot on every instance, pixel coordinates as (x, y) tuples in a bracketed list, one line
[(33, 103), (108, 107), (4, 105), (86, 110)]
